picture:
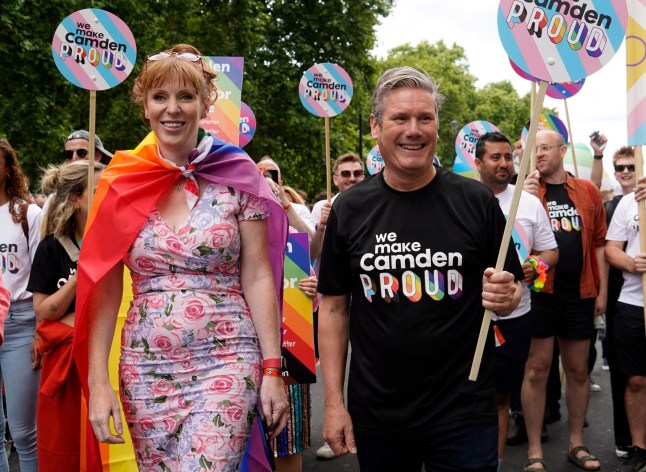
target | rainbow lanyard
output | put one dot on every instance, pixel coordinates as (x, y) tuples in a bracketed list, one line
[(78, 239)]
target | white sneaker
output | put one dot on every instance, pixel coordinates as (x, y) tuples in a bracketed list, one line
[(325, 452), (622, 451), (604, 364), (594, 387)]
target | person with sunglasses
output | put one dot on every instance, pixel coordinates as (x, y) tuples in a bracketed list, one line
[(77, 147), (204, 238), (623, 161)]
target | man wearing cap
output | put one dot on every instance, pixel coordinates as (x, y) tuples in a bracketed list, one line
[(77, 147)]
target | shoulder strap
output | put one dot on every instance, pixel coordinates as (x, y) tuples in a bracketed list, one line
[(69, 247), (23, 220)]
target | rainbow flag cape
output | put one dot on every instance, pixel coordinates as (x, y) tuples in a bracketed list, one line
[(125, 196)]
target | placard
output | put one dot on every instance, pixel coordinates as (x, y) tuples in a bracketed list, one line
[(94, 49), (547, 121), (247, 124), (561, 41), (554, 90), (223, 119), (298, 326), (465, 147), (374, 161), (325, 90), (636, 73)]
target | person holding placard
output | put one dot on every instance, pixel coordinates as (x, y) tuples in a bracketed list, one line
[(574, 293), (419, 288), (623, 252), (19, 359), (495, 164), (204, 239), (53, 283)]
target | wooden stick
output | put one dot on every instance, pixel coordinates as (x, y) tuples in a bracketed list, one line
[(641, 209), (572, 146), (509, 226), (327, 160), (532, 107), (92, 148)]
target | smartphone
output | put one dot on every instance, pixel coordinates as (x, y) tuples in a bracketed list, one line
[(272, 174), (597, 140)]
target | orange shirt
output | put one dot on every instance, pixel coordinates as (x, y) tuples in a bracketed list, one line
[(587, 200)]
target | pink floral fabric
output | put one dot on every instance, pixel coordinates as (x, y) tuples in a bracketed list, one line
[(190, 359)]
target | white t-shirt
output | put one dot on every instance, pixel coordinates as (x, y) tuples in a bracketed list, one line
[(625, 227), (305, 215), (16, 256), (532, 230), (316, 216)]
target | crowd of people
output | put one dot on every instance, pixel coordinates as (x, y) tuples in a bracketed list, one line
[(402, 271)]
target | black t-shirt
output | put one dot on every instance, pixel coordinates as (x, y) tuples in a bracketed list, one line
[(413, 264), (51, 269), (566, 225)]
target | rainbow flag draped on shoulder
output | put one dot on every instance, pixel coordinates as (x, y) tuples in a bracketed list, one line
[(126, 194)]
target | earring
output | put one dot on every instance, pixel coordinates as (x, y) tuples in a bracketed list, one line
[(146, 115)]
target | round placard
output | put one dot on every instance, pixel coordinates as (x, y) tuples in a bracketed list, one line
[(560, 91), (94, 49), (561, 41), (325, 90), (374, 161), (247, 124), (547, 121), (465, 146)]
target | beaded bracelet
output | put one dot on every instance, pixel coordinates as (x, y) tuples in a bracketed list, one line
[(540, 272)]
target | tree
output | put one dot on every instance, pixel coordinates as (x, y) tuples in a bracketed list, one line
[(279, 40)]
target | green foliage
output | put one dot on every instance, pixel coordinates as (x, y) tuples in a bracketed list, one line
[(279, 40)]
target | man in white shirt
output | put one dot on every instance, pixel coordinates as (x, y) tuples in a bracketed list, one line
[(532, 235)]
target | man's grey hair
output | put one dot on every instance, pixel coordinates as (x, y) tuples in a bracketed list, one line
[(405, 76)]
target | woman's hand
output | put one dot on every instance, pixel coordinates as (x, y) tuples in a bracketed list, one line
[(35, 355), (103, 405), (274, 404), (308, 285)]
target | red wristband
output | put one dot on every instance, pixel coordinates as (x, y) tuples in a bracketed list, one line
[(275, 363), (272, 372)]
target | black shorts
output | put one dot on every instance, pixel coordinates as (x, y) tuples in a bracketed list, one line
[(510, 357), (564, 316), (630, 339)]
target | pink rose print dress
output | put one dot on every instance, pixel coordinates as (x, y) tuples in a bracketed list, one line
[(190, 358)]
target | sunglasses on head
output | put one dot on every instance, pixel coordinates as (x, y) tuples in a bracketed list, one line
[(182, 56), (623, 167), (81, 153), (346, 173)]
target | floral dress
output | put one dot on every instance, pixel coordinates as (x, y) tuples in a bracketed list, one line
[(190, 358)]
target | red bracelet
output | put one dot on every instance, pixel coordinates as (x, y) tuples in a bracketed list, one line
[(275, 363), (272, 373)]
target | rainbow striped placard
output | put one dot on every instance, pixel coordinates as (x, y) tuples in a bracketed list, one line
[(298, 328), (547, 121), (465, 147), (325, 90), (223, 119), (561, 41), (247, 124), (94, 49), (636, 72)]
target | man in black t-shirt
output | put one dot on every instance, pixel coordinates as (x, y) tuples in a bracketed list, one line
[(413, 246), (574, 293)]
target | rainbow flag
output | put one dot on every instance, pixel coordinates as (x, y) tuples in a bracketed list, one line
[(125, 196)]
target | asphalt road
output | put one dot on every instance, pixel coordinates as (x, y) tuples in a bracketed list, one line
[(598, 436)]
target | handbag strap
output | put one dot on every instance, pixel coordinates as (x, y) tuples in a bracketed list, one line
[(69, 247)]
